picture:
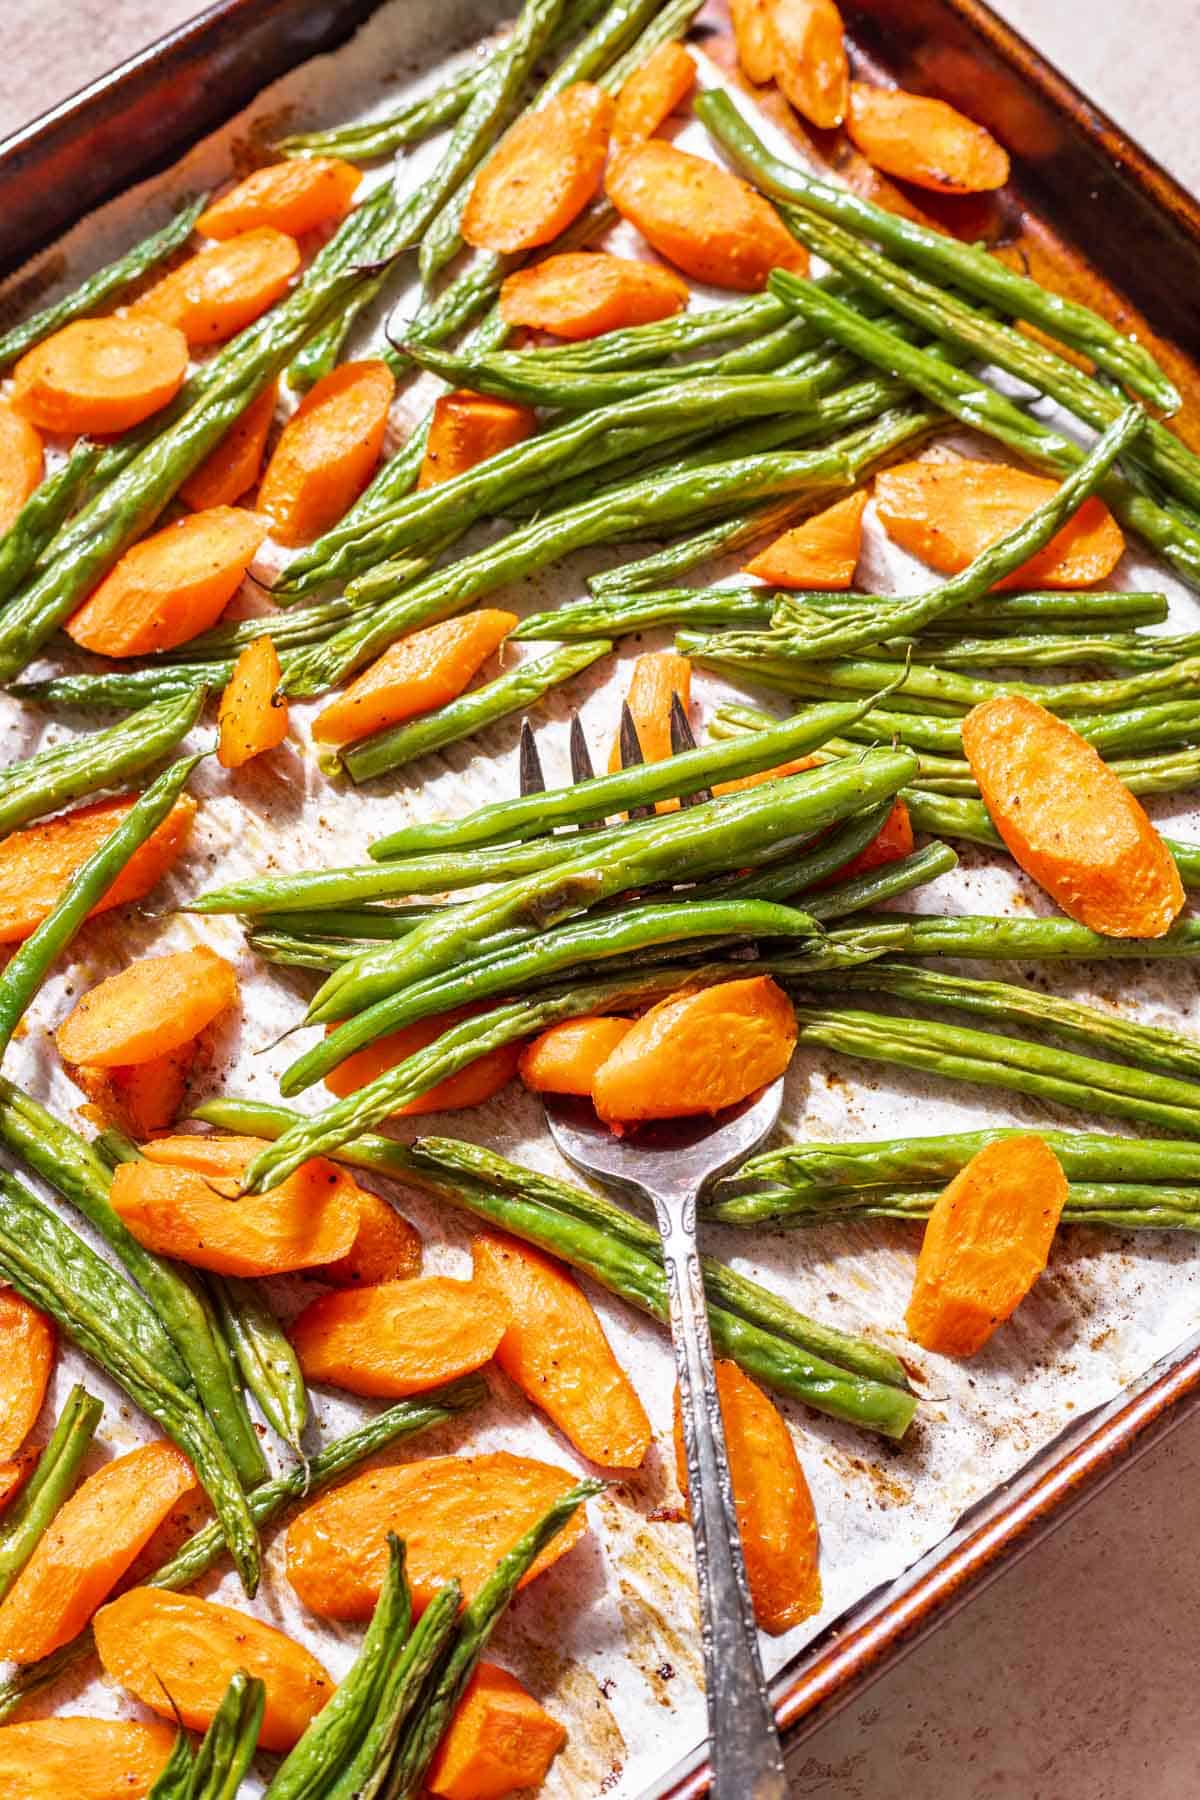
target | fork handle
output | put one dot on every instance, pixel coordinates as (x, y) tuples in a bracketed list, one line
[(747, 1762)]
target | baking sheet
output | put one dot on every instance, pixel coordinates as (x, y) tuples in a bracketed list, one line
[(608, 1638)]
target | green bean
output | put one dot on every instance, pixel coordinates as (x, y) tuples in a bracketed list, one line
[(654, 343), (884, 883), (620, 614), (1124, 651), (1125, 1206), (228, 1746), (29, 1516), (377, 138), (264, 1355), (990, 938), (356, 243), (291, 951), (351, 921), (42, 515), (404, 1690), (174, 1780), (300, 626)]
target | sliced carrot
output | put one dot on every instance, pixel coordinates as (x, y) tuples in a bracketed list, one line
[(585, 292), (253, 715), (696, 1053), (385, 1248), (985, 1245), (171, 586), (656, 678), (140, 1099), (543, 172), (499, 1739), (177, 1654), (458, 1515), (295, 196), (402, 1337), (652, 93), (28, 1338), (415, 675), (100, 375), (774, 1508), (15, 1472), (154, 1005), (221, 290), (232, 467), (564, 1059), (1069, 821), (709, 223), (821, 553), (892, 842), (89, 1759), (21, 463), (326, 451), (555, 1350), (466, 429), (811, 65), (470, 1087), (754, 36), (924, 141), (738, 784)]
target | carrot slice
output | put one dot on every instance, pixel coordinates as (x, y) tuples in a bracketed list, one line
[(985, 1245), (385, 1248), (470, 1087), (295, 197), (709, 223), (100, 375), (415, 675), (400, 1338), (28, 1338), (140, 1099), (656, 677), (97, 1534), (583, 293), (556, 1351), (1069, 821), (821, 553), (232, 467), (892, 842), (15, 1472), (738, 784), (947, 513), (543, 172), (754, 36), (221, 290), (466, 429), (171, 586), (499, 1739), (696, 1053), (564, 1059), (178, 1653), (811, 65), (924, 141), (90, 1759), (774, 1508), (158, 1003), (652, 93), (37, 863), (458, 1515), (327, 450), (253, 715), (21, 463)]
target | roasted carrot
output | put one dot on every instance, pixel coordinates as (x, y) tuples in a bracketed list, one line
[(564, 1059), (948, 512), (696, 1053), (21, 463), (100, 375), (924, 141), (177, 1654), (385, 1248), (892, 842), (15, 1472), (233, 466), (294, 196), (740, 783), (542, 174), (253, 715), (656, 677), (774, 1508), (556, 1351), (401, 1337), (583, 293), (821, 553), (457, 1515), (154, 1005), (499, 1739), (415, 675), (28, 1339), (89, 1759), (1069, 821), (140, 1099), (223, 289), (170, 586), (754, 36), (652, 93), (985, 1245), (470, 1087), (96, 1535), (466, 429), (810, 61), (326, 451)]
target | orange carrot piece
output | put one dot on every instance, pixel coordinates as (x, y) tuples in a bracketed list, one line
[(556, 1351), (564, 1059), (709, 223), (821, 553), (1069, 821), (402, 1337), (466, 429), (97, 1533), (738, 784), (652, 93), (177, 1654), (21, 463), (695, 1053), (415, 675), (811, 66), (385, 1248), (470, 1087), (892, 842), (948, 512), (543, 172), (754, 36), (985, 1245), (655, 678), (37, 863), (140, 1099), (233, 466), (924, 141), (253, 715), (28, 1338), (295, 196), (326, 451), (774, 1508), (15, 1472), (100, 375), (585, 292), (221, 290), (156, 1004), (170, 586), (499, 1739), (89, 1759), (458, 1515)]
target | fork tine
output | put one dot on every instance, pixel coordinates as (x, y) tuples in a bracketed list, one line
[(581, 759), (630, 747), (532, 779), (683, 738)]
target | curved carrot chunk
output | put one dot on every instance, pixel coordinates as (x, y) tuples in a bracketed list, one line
[(585, 292), (821, 553), (652, 93), (696, 1053), (295, 197), (924, 141), (37, 863), (221, 290), (28, 1338), (169, 587), (89, 1759), (892, 842), (985, 1245), (1069, 821), (253, 715), (15, 1472), (709, 223), (156, 1004), (458, 1515), (543, 172), (326, 451), (385, 1248), (100, 375), (416, 674), (564, 1059), (96, 1535), (811, 65), (754, 36), (499, 1739), (232, 466), (140, 1099), (656, 677), (556, 1352), (775, 1514), (466, 429), (947, 513), (178, 1653), (470, 1087), (21, 463), (400, 1338)]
